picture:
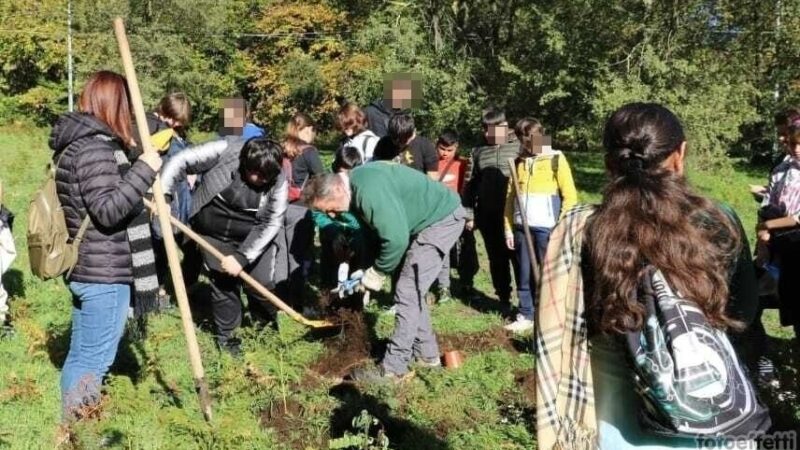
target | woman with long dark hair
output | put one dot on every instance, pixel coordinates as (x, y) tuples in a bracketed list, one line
[(591, 305), (95, 179)]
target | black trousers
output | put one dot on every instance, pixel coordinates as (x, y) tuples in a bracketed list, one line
[(226, 303), (464, 257), (501, 259)]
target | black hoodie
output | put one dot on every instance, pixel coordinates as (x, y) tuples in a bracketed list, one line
[(378, 117), (88, 179)]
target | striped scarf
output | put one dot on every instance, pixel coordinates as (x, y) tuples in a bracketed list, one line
[(564, 389), (145, 280)]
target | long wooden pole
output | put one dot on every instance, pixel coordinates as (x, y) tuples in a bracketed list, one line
[(264, 292), (163, 219), (524, 214)]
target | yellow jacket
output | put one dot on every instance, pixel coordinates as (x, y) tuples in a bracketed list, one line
[(545, 195)]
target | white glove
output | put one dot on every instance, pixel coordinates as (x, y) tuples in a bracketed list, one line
[(372, 279)]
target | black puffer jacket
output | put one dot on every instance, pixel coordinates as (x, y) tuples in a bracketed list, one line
[(88, 179)]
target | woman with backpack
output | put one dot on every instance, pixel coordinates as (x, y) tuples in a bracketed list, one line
[(95, 179), (653, 276)]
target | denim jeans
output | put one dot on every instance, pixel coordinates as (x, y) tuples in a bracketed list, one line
[(526, 286), (98, 321)]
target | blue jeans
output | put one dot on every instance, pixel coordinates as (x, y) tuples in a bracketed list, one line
[(99, 312), (526, 285)]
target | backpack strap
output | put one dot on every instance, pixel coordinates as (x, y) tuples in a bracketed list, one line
[(554, 165), (364, 147), (446, 168)]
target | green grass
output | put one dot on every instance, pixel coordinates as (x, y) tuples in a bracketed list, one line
[(151, 402)]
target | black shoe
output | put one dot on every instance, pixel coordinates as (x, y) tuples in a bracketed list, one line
[(232, 346)]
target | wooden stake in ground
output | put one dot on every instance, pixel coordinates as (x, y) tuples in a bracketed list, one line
[(524, 214), (264, 292), (163, 219)]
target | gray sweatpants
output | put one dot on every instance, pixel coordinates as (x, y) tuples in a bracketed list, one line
[(413, 333)]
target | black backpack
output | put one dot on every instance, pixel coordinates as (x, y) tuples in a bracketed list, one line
[(687, 373)]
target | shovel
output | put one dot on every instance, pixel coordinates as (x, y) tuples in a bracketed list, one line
[(246, 277)]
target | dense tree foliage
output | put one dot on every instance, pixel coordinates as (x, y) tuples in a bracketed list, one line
[(724, 65)]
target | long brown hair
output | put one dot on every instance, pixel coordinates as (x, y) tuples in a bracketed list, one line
[(292, 143), (106, 97), (649, 214)]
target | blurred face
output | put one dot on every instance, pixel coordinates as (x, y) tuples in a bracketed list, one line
[(446, 152), (793, 149), (307, 134), (255, 179), (336, 203), (496, 134)]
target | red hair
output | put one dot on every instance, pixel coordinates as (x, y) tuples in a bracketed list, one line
[(105, 96)]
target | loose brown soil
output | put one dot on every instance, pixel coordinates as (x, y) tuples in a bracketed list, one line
[(477, 342), (285, 417), (526, 381), (347, 349)]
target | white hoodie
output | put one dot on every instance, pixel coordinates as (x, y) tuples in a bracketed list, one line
[(365, 142)]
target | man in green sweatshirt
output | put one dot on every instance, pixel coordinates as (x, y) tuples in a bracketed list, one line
[(417, 222)]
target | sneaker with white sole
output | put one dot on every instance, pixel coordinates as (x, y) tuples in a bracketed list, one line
[(430, 363), (520, 325)]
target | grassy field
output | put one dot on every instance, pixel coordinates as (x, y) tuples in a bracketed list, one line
[(283, 394)]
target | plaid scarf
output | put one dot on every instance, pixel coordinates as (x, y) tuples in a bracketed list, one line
[(564, 391), (145, 280)]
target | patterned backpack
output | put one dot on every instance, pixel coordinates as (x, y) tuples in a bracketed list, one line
[(686, 372)]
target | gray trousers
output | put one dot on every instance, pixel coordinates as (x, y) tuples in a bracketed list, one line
[(413, 333)]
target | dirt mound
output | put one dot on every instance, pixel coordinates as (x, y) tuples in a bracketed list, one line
[(477, 342), (285, 416), (347, 349), (526, 380)]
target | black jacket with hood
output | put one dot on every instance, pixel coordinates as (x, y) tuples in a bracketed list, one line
[(378, 117), (88, 180)]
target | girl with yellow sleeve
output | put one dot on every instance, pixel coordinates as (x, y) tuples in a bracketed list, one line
[(547, 191)]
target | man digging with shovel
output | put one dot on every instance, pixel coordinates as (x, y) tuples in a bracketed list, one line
[(417, 221)]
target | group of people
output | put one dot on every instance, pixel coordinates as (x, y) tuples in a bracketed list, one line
[(403, 209)]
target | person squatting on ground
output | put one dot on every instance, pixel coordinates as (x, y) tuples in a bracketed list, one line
[(342, 238), (95, 177), (778, 232), (463, 255), (649, 217), (352, 122), (547, 192), (484, 198), (8, 252), (239, 207), (417, 221)]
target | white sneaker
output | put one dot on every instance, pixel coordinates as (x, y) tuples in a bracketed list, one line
[(520, 325)]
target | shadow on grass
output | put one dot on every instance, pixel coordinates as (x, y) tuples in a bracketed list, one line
[(784, 401), (402, 433), (14, 283)]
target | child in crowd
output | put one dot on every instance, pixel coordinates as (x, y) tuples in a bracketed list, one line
[(484, 195), (463, 255), (352, 122), (168, 125), (547, 191), (7, 254), (778, 233)]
